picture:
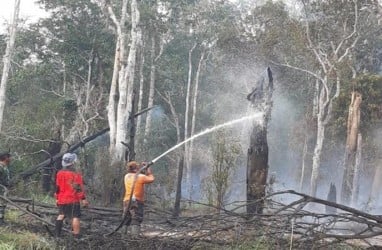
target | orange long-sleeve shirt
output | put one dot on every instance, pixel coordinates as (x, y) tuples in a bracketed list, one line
[(139, 189)]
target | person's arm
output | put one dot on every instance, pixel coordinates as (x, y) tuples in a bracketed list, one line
[(4, 177), (149, 177), (81, 191), (57, 191)]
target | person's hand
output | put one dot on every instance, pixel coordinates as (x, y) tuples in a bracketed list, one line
[(85, 203), (148, 171)]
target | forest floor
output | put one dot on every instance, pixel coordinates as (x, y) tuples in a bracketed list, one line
[(202, 227), (96, 238), (26, 232), (40, 237)]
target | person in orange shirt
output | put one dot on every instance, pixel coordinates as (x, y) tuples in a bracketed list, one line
[(134, 193)]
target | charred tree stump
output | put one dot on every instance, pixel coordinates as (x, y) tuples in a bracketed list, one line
[(257, 165)]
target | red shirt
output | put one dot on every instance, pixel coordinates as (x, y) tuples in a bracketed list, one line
[(70, 187)]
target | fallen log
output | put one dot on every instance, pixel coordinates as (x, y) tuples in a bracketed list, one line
[(54, 158)]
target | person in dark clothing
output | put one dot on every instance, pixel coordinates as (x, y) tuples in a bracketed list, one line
[(5, 159), (69, 194)]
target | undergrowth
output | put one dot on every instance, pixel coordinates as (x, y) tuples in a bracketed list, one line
[(22, 240)]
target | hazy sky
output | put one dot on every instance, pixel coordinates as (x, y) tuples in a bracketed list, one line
[(28, 10)]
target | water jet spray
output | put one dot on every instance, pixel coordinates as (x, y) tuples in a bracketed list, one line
[(206, 131)]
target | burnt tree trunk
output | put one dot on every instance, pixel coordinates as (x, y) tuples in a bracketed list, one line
[(178, 194), (351, 147), (257, 165)]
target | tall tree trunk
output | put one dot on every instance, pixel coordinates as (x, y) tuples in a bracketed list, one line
[(193, 120), (351, 147), (89, 79), (375, 192), (188, 178), (131, 149), (113, 97), (357, 170), (152, 87), (7, 58), (304, 153), (317, 155), (257, 165), (178, 193), (122, 86), (180, 158), (329, 90), (325, 107), (117, 111), (141, 85), (127, 85)]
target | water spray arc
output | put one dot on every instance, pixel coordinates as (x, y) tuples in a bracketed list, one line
[(206, 131)]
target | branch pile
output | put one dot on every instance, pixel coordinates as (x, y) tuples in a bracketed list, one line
[(296, 224)]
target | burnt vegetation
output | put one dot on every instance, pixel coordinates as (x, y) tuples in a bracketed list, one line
[(281, 225)]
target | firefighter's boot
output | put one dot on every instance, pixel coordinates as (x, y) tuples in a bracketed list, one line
[(58, 228)]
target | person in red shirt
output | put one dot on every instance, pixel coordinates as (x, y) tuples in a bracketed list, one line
[(135, 189), (69, 194)]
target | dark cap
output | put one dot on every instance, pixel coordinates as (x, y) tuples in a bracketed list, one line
[(132, 166), (4, 154)]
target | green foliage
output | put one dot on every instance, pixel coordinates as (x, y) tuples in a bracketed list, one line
[(22, 240), (53, 57), (69, 105), (226, 150)]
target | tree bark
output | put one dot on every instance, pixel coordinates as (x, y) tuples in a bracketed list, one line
[(375, 192), (188, 178), (131, 149), (357, 170), (328, 89), (7, 58), (257, 165), (304, 153), (127, 84), (180, 157), (113, 97), (152, 87), (141, 86), (193, 119), (117, 107), (351, 147)]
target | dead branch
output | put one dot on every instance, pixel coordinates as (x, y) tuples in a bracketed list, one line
[(297, 223)]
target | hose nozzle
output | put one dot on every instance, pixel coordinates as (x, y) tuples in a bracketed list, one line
[(146, 165)]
